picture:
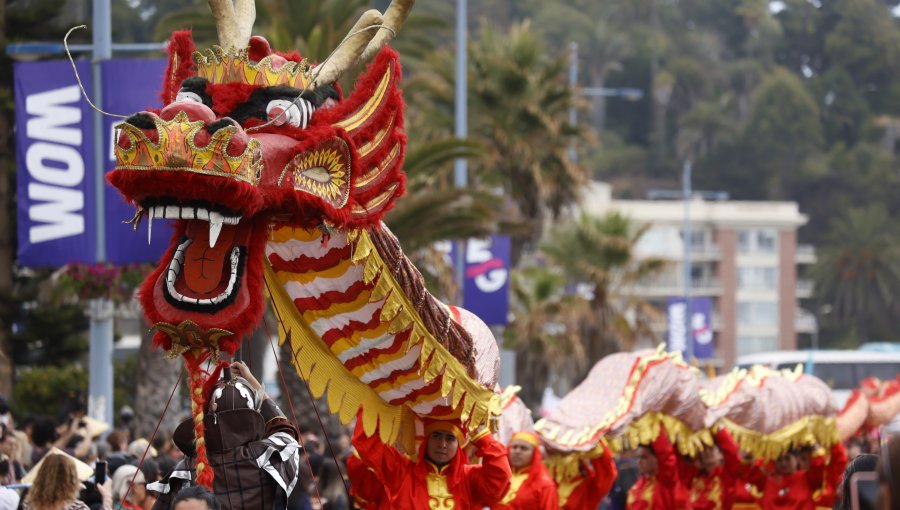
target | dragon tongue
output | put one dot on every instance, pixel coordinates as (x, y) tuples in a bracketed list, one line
[(207, 257)]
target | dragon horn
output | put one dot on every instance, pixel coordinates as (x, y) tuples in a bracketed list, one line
[(394, 17), (234, 21), (348, 52)]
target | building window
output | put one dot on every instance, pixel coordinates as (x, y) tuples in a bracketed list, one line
[(766, 241), (757, 278), (757, 241), (757, 313), (754, 344)]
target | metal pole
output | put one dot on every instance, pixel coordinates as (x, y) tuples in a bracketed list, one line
[(811, 360), (100, 384), (460, 167), (686, 195), (573, 82)]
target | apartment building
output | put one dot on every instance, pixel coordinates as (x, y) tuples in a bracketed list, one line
[(744, 257)]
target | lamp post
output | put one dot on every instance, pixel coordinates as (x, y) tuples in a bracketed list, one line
[(100, 310), (629, 93), (688, 312), (460, 167)]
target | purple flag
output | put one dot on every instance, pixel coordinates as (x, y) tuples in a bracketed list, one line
[(55, 155), (701, 326), (55, 164)]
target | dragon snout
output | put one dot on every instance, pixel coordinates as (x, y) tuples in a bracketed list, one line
[(193, 110)]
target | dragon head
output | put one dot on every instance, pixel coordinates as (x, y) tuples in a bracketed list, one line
[(248, 137)]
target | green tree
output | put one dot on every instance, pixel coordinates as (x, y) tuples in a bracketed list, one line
[(784, 130), (866, 43), (858, 272), (545, 331), (601, 252)]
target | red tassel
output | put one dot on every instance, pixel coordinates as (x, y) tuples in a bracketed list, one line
[(199, 395)]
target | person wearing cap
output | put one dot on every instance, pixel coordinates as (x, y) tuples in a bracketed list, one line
[(531, 487), (594, 481), (129, 488), (441, 476)]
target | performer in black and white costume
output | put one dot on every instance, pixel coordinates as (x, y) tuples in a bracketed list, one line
[(252, 448)]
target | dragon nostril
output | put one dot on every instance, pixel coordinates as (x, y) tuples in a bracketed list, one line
[(219, 124), (141, 121)]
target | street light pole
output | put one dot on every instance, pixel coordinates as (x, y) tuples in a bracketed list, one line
[(100, 310), (688, 313), (573, 82), (460, 167)]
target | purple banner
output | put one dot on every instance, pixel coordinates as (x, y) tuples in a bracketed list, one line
[(55, 161), (130, 86), (486, 292), (701, 326)]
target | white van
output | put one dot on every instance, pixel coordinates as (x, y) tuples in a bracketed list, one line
[(842, 370)]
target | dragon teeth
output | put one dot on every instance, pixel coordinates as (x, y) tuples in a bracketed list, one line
[(215, 227), (150, 225)]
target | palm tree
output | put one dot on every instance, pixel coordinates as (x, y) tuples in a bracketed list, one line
[(545, 331), (601, 252), (858, 271), (518, 104), (433, 211)]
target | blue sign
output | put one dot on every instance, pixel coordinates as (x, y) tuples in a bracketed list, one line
[(55, 152), (486, 292), (701, 326), (486, 286)]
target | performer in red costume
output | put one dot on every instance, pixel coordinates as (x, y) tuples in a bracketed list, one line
[(659, 487), (594, 482), (531, 487), (711, 483), (746, 496), (787, 487), (441, 478), (366, 488), (825, 496)]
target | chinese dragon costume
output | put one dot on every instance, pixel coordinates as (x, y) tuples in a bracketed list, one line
[(276, 184)]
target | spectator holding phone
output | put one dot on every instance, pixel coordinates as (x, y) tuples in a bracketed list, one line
[(11, 471), (56, 487)]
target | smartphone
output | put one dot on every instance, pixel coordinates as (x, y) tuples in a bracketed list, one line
[(100, 472), (865, 491)]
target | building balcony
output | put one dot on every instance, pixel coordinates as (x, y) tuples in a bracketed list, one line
[(673, 287), (806, 254), (804, 289), (706, 252)]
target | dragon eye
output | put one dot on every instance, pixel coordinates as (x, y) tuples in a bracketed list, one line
[(297, 113), (185, 95), (318, 174)]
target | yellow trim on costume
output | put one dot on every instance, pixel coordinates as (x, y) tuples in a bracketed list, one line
[(355, 120), (515, 483), (315, 362), (821, 429), (528, 437)]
